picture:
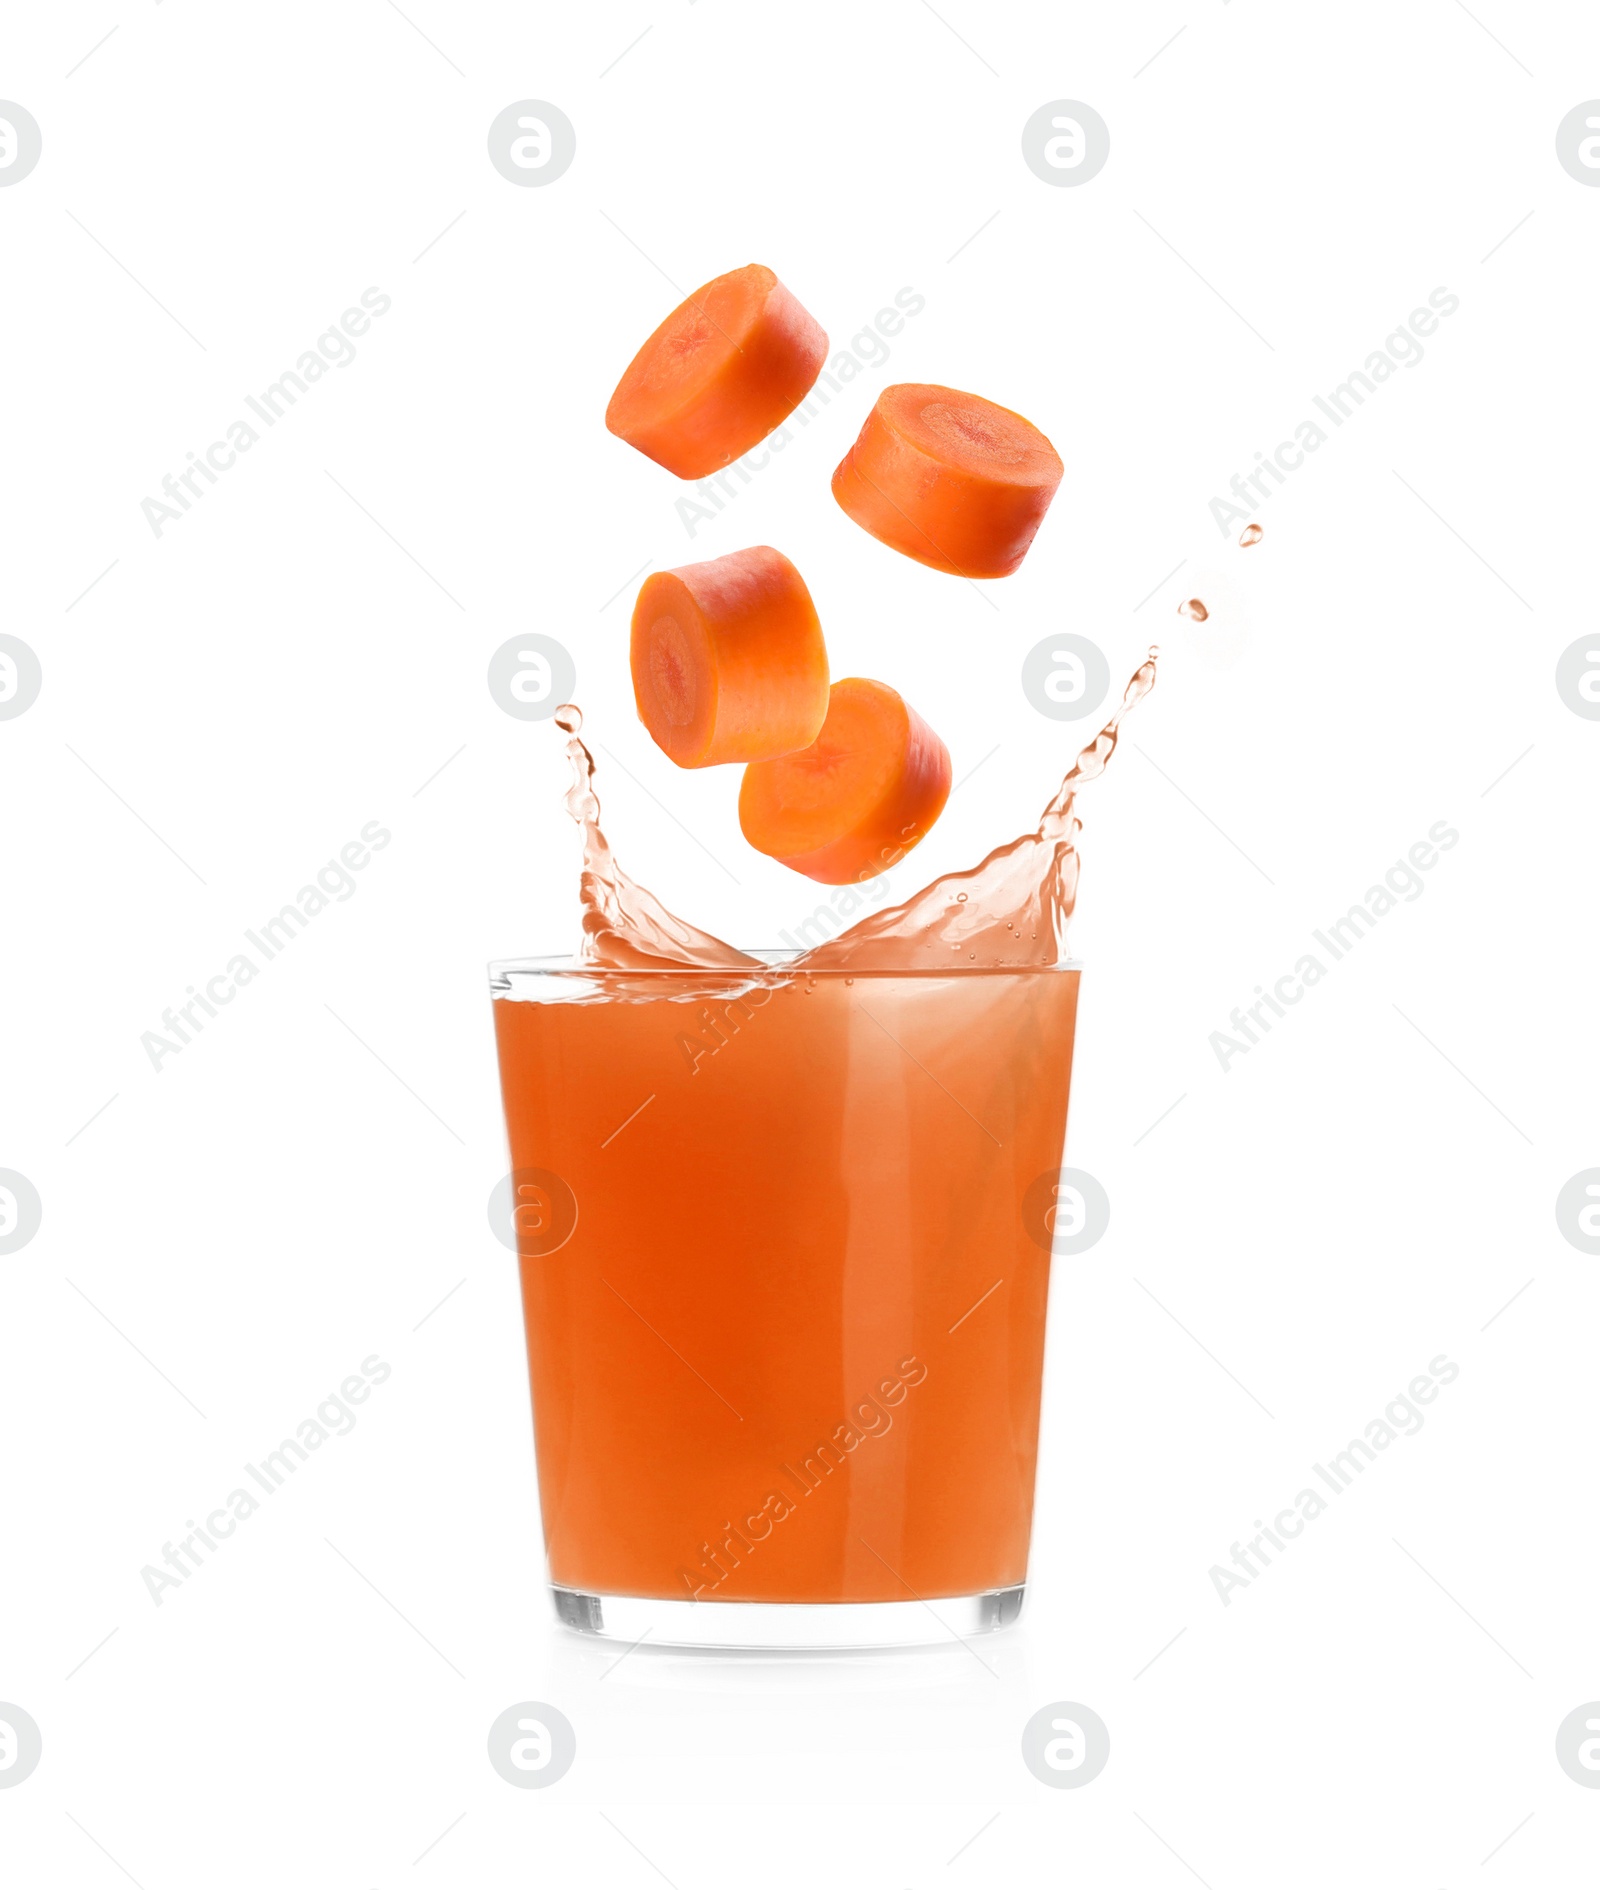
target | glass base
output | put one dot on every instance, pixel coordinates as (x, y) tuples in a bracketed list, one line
[(787, 1624)]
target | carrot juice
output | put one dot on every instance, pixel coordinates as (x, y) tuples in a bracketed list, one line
[(789, 1347)]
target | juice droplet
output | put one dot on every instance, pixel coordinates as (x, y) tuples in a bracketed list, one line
[(1195, 609), (569, 718), (1251, 535), (961, 899)]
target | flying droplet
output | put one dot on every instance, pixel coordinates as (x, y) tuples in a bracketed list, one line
[(569, 718), (1251, 535), (1194, 608)]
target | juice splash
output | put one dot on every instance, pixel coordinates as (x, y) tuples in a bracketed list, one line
[(625, 927), (1010, 910)]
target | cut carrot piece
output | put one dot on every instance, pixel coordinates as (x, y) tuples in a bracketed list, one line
[(951, 480), (719, 374), (728, 659), (863, 794)]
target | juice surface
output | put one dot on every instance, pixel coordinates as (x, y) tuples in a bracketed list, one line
[(791, 1348)]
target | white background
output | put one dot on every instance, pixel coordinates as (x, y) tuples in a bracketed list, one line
[(303, 1185)]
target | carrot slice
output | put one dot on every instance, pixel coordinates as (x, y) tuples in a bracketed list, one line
[(949, 479), (728, 659), (863, 794), (719, 374)]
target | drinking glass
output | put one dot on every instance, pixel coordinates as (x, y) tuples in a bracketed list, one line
[(785, 1240)]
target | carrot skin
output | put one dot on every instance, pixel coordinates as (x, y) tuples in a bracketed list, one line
[(866, 791), (728, 659), (726, 368), (954, 481)]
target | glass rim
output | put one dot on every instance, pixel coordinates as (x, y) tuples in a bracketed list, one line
[(771, 958)]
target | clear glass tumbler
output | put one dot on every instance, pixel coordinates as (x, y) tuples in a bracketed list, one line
[(784, 1239)]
